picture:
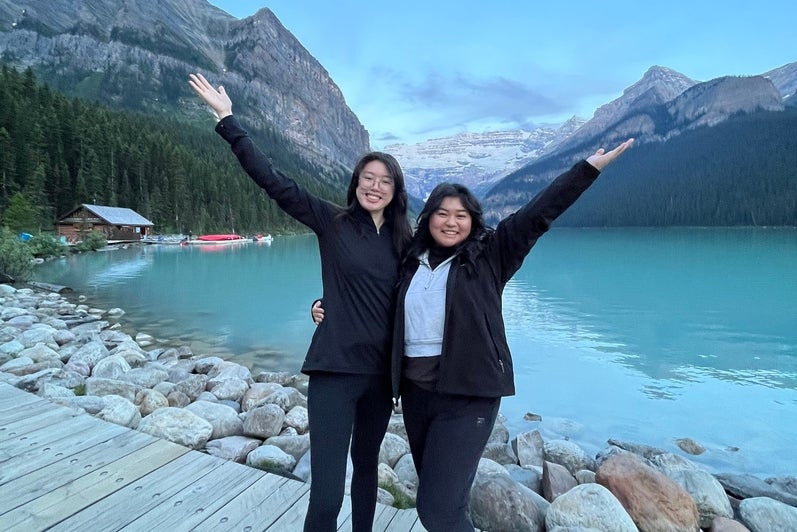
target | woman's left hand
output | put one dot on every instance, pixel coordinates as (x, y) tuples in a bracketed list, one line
[(601, 158)]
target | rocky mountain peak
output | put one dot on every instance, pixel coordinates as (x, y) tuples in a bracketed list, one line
[(137, 54), (477, 160)]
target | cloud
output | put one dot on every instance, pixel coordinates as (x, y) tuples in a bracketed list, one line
[(461, 98)]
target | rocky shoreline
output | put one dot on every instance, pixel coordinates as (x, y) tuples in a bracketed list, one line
[(79, 356)]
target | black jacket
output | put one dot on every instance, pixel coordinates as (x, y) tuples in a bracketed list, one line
[(359, 267), (475, 358)]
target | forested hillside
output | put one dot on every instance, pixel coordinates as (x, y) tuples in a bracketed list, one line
[(57, 152), (742, 172)]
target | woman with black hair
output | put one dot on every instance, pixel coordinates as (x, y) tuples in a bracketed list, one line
[(349, 393), (451, 360)]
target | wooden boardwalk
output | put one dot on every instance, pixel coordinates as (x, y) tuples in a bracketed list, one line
[(65, 470)]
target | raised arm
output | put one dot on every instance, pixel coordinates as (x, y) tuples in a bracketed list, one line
[(517, 234), (292, 198)]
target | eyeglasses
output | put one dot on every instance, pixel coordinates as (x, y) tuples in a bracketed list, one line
[(368, 180)]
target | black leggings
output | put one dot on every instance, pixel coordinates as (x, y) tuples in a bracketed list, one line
[(341, 408), (447, 435)]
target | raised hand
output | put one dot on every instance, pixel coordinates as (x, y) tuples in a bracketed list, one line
[(217, 99), (601, 158)]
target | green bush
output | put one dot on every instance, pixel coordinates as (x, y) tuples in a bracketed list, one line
[(400, 500), (16, 259), (91, 242), (45, 246)]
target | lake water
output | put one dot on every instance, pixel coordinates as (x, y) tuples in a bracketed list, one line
[(645, 335)]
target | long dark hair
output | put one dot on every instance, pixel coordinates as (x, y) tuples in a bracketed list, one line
[(423, 238), (396, 210)]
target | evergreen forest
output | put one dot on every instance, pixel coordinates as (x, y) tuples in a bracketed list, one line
[(740, 172), (58, 152)]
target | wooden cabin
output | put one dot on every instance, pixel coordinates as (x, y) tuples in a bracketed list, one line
[(115, 223)]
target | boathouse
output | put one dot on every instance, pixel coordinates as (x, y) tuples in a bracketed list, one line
[(115, 223)]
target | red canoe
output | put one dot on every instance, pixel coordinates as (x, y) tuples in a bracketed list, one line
[(219, 238)]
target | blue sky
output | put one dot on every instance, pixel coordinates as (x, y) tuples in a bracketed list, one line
[(416, 70)]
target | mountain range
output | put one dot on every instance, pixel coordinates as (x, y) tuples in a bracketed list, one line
[(136, 55)]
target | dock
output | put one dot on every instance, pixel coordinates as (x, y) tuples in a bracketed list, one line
[(62, 469)]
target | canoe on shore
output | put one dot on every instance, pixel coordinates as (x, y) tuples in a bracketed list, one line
[(218, 240), (220, 237)]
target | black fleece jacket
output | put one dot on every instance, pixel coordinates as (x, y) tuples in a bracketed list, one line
[(475, 358), (359, 267)]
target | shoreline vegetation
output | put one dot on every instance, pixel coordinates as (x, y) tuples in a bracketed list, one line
[(52, 343)]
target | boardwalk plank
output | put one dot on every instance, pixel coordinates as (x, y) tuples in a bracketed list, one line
[(199, 500), (15, 411), (255, 507), (55, 506), (123, 507), (33, 420), (18, 420), (12, 397), (49, 437), (405, 521), (293, 518), (26, 488), (383, 516), (41, 454)]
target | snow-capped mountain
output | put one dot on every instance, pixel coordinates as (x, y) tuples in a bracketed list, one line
[(477, 160)]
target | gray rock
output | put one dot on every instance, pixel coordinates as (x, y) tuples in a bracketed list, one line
[(179, 426), (148, 401), (569, 455), (530, 448), (111, 367), (120, 411), (500, 452), (499, 503), (392, 448), (229, 389), (405, 470), (297, 418), (233, 448), (224, 419), (589, 506), (90, 353), (295, 445), (272, 459), (749, 486), (762, 514), (264, 421), (285, 398), (707, 492), (101, 387)]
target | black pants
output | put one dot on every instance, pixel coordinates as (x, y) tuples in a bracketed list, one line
[(447, 435), (342, 408)]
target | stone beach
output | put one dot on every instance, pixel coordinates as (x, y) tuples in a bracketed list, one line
[(59, 347)]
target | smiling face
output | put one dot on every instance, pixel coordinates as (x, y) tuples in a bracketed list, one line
[(375, 188), (450, 224)]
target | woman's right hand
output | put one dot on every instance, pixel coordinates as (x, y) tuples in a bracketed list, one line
[(317, 312), (216, 99)]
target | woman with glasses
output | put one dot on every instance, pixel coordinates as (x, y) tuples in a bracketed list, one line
[(348, 361)]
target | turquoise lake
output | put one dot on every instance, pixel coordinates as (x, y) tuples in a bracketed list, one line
[(644, 335)]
